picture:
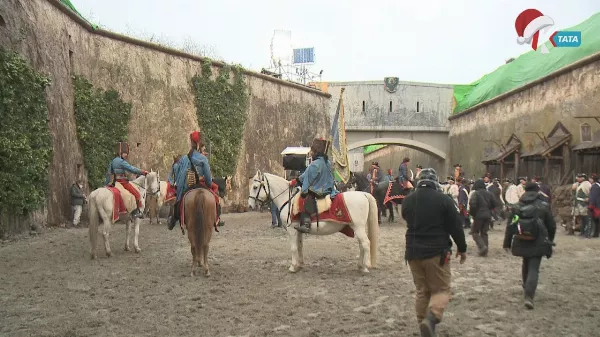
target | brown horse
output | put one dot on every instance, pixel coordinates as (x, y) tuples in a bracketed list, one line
[(200, 216)]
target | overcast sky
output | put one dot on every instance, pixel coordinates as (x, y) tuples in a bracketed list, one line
[(436, 41)]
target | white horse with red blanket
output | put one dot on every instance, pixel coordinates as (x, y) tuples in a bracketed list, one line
[(111, 204), (352, 213)]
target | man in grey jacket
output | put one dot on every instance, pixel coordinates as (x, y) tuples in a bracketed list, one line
[(78, 198)]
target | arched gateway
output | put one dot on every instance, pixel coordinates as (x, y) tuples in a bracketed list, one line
[(410, 143)]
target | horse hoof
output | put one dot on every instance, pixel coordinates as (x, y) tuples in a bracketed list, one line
[(365, 270), (192, 274), (138, 250), (127, 248), (293, 269), (108, 254), (93, 256), (207, 274)]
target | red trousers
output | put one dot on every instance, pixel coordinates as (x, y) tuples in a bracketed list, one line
[(132, 190)]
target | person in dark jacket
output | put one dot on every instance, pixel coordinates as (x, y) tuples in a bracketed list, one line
[(78, 198), (432, 218), (531, 251), (463, 201), (481, 204)]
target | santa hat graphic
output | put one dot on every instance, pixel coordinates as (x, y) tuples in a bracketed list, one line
[(528, 25)]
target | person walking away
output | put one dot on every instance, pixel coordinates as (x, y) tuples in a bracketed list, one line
[(432, 218), (581, 203), (78, 198), (594, 205), (530, 234), (481, 204)]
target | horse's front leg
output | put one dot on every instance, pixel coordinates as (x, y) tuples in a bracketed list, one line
[(136, 234), (127, 234), (293, 237)]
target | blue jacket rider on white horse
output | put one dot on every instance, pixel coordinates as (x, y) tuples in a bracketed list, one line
[(317, 182), (117, 172)]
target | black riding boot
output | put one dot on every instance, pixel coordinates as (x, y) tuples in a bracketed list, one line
[(136, 213), (305, 220), (173, 219), (221, 222)]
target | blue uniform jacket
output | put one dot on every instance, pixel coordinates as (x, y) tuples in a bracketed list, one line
[(181, 167), (120, 167), (171, 177), (387, 178), (318, 178)]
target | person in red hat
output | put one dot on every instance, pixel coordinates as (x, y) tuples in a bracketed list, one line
[(117, 172), (202, 174)]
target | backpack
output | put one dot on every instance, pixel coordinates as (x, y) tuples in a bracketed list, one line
[(527, 222)]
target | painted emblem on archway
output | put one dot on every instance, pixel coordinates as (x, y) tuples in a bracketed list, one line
[(390, 84)]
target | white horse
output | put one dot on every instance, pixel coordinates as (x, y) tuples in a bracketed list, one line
[(101, 207), (361, 206)]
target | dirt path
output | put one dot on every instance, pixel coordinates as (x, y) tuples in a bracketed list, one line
[(49, 287)]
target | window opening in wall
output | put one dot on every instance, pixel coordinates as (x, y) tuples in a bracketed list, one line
[(390, 106), (586, 132), (2, 22), (364, 106), (418, 106)]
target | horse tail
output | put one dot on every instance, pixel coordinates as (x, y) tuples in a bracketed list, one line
[(373, 230), (94, 221), (199, 224)]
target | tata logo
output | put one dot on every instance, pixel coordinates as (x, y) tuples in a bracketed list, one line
[(566, 39), (531, 22)]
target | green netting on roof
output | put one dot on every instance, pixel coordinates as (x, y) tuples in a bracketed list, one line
[(529, 67), (371, 148), (70, 5)]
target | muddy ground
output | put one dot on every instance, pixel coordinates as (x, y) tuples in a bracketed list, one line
[(50, 287)]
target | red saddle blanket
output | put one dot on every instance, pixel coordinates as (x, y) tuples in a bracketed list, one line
[(338, 212), (171, 192), (182, 210), (118, 204)]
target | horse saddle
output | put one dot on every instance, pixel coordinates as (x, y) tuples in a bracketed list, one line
[(309, 205), (128, 198)]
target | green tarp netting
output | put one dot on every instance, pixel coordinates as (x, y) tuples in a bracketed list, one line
[(529, 67), (370, 148), (70, 5)]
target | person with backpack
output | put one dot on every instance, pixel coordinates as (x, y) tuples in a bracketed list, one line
[(481, 204), (530, 235)]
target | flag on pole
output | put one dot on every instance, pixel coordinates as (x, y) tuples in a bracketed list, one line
[(339, 148)]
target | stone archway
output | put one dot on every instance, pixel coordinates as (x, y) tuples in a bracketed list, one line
[(410, 143)]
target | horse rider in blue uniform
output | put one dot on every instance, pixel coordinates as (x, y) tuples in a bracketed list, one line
[(117, 172), (202, 175), (317, 182)]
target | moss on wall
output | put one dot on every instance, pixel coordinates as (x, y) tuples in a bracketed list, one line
[(102, 119), (26, 148), (221, 108)]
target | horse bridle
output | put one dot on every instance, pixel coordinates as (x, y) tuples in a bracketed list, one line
[(157, 192), (261, 188)]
